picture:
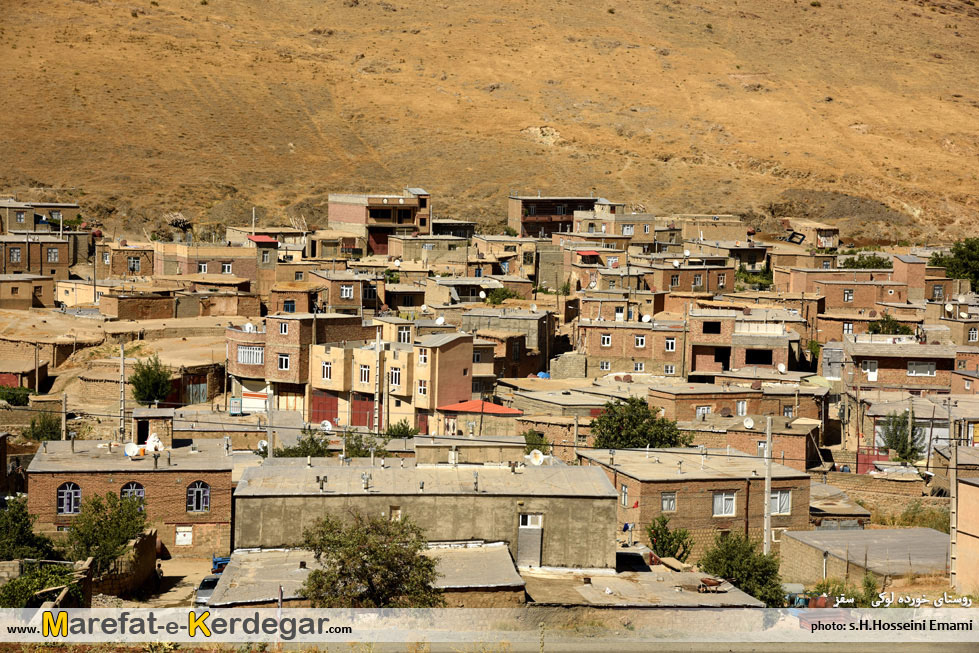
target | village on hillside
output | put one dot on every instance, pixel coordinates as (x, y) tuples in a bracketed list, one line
[(594, 407)]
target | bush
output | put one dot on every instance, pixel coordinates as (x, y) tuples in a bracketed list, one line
[(103, 527), (537, 441), (565, 288), (669, 543), (867, 262), (46, 426), (151, 380), (510, 231), (359, 445), (15, 396), (888, 325), (631, 424), (907, 446), (309, 443), (21, 591), (499, 295), (736, 558), (402, 429), (17, 536)]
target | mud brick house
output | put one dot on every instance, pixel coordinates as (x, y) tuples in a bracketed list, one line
[(856, 295), (120, 260), (254, 264), (376, 217), (519, 255), (280, 234), (706, 491), (746, 253), (584, 261), (883, 362), (476, 417), (403, 297), (633, 347), (719, 340), (540, 216), (690, 277), (269, 364), (458, 290), (23, 291), (22, 373), (294, 296), (509, 357), (620, 305), (31, 216), (692, 401), (834, 325), (428, 248), (138, 306), (709, 227), (331, 246), (538, 327), (347, 291), (812, 234), (33, 254), (186, 490), (552, 516), (638, 228), (400, 380), (795, 440)]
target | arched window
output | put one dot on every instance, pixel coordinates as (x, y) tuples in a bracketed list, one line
[(132, 489), (69, 498), (198, 497)]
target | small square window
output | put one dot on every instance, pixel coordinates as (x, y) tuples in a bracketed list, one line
[(283, 362), (604, 366), (667, 501)]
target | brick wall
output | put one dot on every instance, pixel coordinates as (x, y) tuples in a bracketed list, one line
[(131, 569)]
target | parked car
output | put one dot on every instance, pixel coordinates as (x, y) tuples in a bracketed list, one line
[(203, 592)]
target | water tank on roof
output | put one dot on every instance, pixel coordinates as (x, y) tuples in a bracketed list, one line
[(248, 328)]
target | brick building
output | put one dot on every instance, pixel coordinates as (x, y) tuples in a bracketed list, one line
[(720, 340), (706, 491), (347, 291), (186, 490), (119, 260), (376, 217), (33, 254), (883, 362), (23, 291), (255, 264), (633, 347), (691, 401), (138, 306), (541, 216)]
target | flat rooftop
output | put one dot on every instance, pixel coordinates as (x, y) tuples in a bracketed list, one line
[(662, 464), (888, 551), (98, 456)]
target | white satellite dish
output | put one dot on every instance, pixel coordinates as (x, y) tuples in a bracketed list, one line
[(249, 327), (686, 252), (647, 318), (781, 368), (533, 308), (397, 263), (949, 308), (424, 308), (749, 423), (131, 449), (440, 320), (676, 264), (961, 299), (263, 445), (593, 284), (482, 294), (964, 315), (536, 457), (326, 425)]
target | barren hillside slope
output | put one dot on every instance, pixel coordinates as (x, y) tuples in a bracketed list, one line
[(867, 111)]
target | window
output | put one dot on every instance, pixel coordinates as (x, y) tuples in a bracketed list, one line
[(283, 362), (645, 228), (15, 255), (959, 364), (202, 268), (394, 513), (698, 280), (624, 494), (604, 366), (760, 447), (266, 255), (667, 501), (55, 215), (639, 367), (422, 388), (559, 210), (20, 215), (346, 291), (781, 502), (671, 344), (968, 385), (289, 306), (428, 246), (395, 379), (465, 371), (370, 292), (937, 292), (721, 280), (251, 355), (478, 272), (132, 489), (758, 357), (788, 411), (848, 328), (477, 356), (404, 334), (225, 268), (516, 352), (133, 263), (703, 411), (365, 374), (848, 294), (611, 286), (921, 368), (69, 499), (628, 229), (606, 340), (640, 342), (327, 370), (612, 261), (532, 210), (973, 334), (724, 504), (741, 407), (674, 281), (712, 327), (423, 356), (528, 258), (777, 534), (669, 369), (531, 520), (198, 497)]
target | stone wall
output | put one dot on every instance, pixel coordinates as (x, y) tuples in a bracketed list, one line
[(131, 569)]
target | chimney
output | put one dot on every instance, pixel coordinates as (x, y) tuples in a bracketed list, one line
[(168, 459), (611, 457), (44, 446), (156, 460), (309, 461), (679, 467), (475, 481), (302, 564), (421, 486)]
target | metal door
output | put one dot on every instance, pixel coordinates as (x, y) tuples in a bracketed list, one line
[(530, 535), (323, 405), (195, 389)]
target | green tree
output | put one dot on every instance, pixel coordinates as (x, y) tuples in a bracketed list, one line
[(359, 445), (737, 559), (22, 592), (309, 443), (151, 380), (814, 348), (392, 276), (867, 262), (906, 443), (669, 543), (962, 261), (45, 426), (370, 562), (15, 396), (565, 288), (888, 325), (631, 424), (402, 429), (103, 527), (510, 231), (537, 441), (499, 295), (763, 278), (17, 536)]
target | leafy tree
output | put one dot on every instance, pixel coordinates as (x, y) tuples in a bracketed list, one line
[(867, 262), (151, 380), (737, 559), (537, 441), (962, 262), (814, 348), (499, 295), (907, 445), (15, 396), (888, 325), (402, 429), (510, 231), (46, 426), (21, 592), (630, 424), (359, 445), (17, 536), (103, 527), (309, 443), (565, 288), (372, 562), (763, 278), (669, 543), (392, 276)]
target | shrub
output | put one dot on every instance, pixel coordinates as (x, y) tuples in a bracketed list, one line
[(906, 443), (151, 380), (669, 543), (103, 527), (17, 536), (630, 424), (309, 443), (21, 592), (402, 429), (15, 396), (736, 558), (537, 441), (46, 426), (499, 295)]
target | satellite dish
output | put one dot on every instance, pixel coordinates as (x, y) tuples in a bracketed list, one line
[(424, 308), (249, 327), (646, 318), (781, 368), (749, 423), (440, 320), (686, 252), (593, 284), (482, 294), (131, 449), (326, 425), (397, 263), (263, 445), (961, 299), (964, 315), (533, 307), (949, 308), (536, 458), (873, 313), (676, 264)]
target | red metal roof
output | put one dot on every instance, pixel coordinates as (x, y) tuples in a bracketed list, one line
[(262, 239), (587, 252), (480, 406)]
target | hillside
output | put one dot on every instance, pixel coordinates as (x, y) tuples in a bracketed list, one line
[(864, 112)]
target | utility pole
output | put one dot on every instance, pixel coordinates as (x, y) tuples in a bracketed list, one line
[(768, 485), (377, 381), (37, 365), (253, 220), (953, 510), (64, 415), (122, 392)]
